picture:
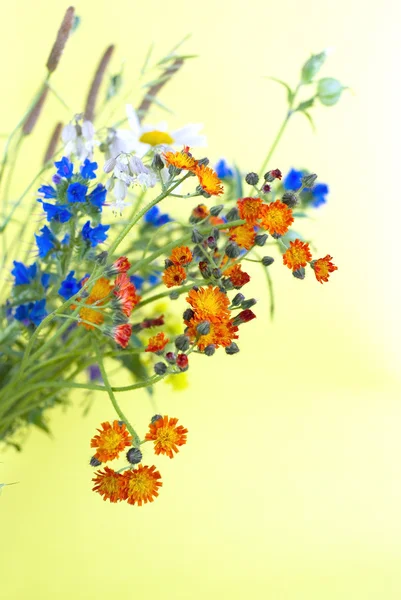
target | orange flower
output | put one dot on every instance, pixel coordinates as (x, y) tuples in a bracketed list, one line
[(111, 441), (121, 265), (122, 334), (297, 255), (157, 343), (174, 275), (209, 304), (220, 334), (323, 267), (126, 295), (250, 209), (180, 160), (244, 236), (200, 212), (97, 297), (276, 217), (216, 221), (208, 180), (166, 436), (237, 276), (181, 256), (108, 484), (141, 485)]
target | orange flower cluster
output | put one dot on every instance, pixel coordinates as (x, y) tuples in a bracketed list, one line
[(175, 274), (140, 483), (157, 343), (237, 276), (298, 255), (208, 179)]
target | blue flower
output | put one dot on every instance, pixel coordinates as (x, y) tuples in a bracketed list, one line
[(76, 192), (293, 180), (88, 169), (54, 212), (64, 168), (23, 275), (319, 193), (45, 280), (94, 235), (154, 278), (155, 217), (138, 281), (48, 191), (98, 196), (223, 170), (69, 287), (45, 242), (94, 373), (34, 312)]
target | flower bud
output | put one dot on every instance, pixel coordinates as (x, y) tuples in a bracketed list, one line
[(233, 250), (267, 261), (210, 350), (329, 91), (266, 188), (203, 192), (232, 348), (299, 273), (171, 358), (216, 210), (188, 314), (157, 163), (248, 303), (134, 456), (203, 328), (182, 362), (216, 234), (216, 273), (290, 199), (272, 175), (309, 180), (182, 342), (174, 295), (244, 317), (312, 67), (160, 368), (252, 178), (204, 161), (101, 258), (196, 236), (94, 462), (205, 269), (238, 298), (232, 214), (260, 239), (211, 242), (155, 418), (168, 263), (276, 236), (197, 252)]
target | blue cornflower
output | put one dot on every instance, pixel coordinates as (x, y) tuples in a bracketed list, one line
[(138, 281), (293, 180), (94, 235), (223, 170), (69, 287), (45, 242), (76, 192), (23, 275), (155, 217), (319, 193), (98, 196), (88, 169), (48, 191), (34, 312), (54, 212), (65, 168)]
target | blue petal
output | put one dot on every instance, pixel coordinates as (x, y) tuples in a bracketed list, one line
[(48, 191), (69, 287), (64, 168), (98, 196), (293, 180), (23, 275), (223, 170), (45, 279), (45, 242), (76, 192), (88, 169)]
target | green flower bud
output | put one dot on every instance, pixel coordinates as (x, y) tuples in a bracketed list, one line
[(312, 67), (329, 91)]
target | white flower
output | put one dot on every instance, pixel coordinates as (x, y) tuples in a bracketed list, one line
[(79, 139)]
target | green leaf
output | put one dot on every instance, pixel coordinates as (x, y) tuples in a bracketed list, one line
[(176, 57), (301, 215), (311, 121), (306, 104), (290, 93)]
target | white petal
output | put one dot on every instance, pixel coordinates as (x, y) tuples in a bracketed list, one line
[(88, 130), (69, 133), (120, 190), (133, 120), (109, 165)]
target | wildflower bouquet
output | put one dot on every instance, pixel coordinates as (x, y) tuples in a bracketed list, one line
[(85, 294)]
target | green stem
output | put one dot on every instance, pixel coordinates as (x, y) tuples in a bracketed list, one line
[(112, 397), (274, 144)]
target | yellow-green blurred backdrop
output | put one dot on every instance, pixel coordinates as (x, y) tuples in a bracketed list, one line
[(289, 487)]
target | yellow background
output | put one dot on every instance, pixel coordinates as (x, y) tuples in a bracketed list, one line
[(290, 485)]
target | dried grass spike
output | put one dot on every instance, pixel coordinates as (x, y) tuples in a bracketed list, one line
[(155, 89), (61, 39), (89, 113), (33, 116)]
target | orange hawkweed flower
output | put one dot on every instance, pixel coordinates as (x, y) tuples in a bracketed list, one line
[(220, 334), (174, 275), (323, 267), (209, 304), (112, 440), (276, 217), (181, 160), (250, 209), (181, 255), (141, 485), (166, 436), (122, 334), (237, 276), (244, 236), (108, 484), (157, 343), (200, 212), (208, 180), (125, 292), (97, 298), (297, 255)]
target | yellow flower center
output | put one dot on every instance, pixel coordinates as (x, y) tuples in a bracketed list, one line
[(166, 437), (110, 485), (155, 138), (111, 440), (141, 485)]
